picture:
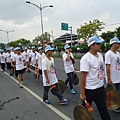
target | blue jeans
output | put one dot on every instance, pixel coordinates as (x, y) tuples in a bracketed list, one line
[(117, 86), (69, 79)]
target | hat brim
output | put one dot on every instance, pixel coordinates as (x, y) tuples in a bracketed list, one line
[(118, 42), (99, 41), (114, 42), (68, 47), (51, 49)]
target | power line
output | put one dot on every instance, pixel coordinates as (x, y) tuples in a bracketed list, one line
[(112, 24)]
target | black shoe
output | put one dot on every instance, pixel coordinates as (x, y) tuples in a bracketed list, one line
[(11, 74)]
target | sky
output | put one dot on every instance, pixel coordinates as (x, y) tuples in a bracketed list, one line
[(24, 18)]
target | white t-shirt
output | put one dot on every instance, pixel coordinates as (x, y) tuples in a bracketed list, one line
[(32, 55), (26, 55), (13, 57), (8, 57), (114, 61), (40, 57), (95, 68), (29, 51), (19, 61), (68, 65), (2, 58), (51, 74)]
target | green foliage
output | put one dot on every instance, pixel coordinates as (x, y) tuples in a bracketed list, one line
[(2, 46), (59, 49), (41, 39), (21, 42), (117, 32), (89, 29), (74, 49), (84, 48), (107, 46), (59, 46), (57, 43), (107, 35)]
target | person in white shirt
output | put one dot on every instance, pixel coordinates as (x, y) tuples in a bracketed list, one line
[(92, 77), (29, 50), (112, 62), (49, 77), (32, 59), (32, 56), (68, 66), (19, 64), (12, 61), (26, 55), (39, 57), (8, 61), (2, 59)]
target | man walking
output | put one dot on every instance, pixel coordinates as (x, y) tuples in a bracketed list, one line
[(112, 62), (49, 77), (92, 77)]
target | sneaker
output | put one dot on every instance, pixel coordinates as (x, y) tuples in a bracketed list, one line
[(64, 102), (46, 101), (117, 110), (72, 91), (11, 74), (21, 86)]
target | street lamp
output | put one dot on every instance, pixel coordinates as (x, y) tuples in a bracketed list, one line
[(7, 33), (40, 8), (71, 34)]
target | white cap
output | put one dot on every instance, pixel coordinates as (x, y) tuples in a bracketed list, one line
[(49, 48), (94, 39), (114, 40)]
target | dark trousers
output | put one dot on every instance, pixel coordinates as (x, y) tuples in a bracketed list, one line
[(58, 93), (99, 97), (3, 66), (69, 79)]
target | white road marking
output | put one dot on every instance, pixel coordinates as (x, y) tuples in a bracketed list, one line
[(41, 100)]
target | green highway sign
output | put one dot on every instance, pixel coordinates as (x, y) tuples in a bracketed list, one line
[(64, 26)]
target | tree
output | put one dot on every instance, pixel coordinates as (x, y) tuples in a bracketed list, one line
[(43, 39), (107, 35), (59, 46), (21, 42), (84, 48), (74, 49), (2, 46), (57, 43), (117, 32), (89, 29)]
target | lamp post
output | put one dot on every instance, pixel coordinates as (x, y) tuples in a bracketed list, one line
[(40, 8), (7, 33), (71, 34)]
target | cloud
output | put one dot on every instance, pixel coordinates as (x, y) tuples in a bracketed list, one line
[(25, 18)]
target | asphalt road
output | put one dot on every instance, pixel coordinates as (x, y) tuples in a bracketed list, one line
[(26, 103)]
